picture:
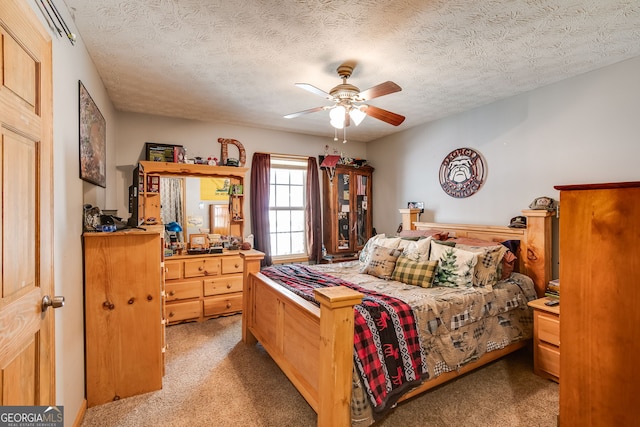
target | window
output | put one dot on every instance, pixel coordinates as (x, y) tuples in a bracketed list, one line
[(287, 200)]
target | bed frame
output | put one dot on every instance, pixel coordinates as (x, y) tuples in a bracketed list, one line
[(314, 345)]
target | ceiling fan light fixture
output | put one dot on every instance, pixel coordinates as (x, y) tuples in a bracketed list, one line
[(337, 116), (357, 115)]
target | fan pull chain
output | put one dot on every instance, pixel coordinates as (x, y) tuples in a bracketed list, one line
[(344, 135), (335, 134)]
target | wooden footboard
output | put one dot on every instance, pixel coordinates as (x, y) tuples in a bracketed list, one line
[(314, 345)]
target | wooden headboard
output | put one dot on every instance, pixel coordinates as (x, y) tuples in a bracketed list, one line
[(534, 254)]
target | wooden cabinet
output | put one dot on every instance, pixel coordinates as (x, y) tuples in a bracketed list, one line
[(150, 187), (202, 287), (347, 209), (546, 339), (600, 332), (124, 331)]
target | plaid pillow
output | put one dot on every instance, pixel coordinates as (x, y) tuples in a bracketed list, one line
[(414, 272), (381, 262)]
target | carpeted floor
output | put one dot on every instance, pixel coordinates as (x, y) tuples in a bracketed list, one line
[(213, 379)]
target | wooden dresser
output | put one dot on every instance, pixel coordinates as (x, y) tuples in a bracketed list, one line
[(200, 287), (124, 331), (600, 329)]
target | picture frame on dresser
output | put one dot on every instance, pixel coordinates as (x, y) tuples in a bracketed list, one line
[(197, 241)]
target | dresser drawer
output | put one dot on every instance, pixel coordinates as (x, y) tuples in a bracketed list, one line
[(231, 264), (183, 290), (223, 285), (202, 267), (548, 359), (172, 270), (180, 311), (223, 304), (548, 328)]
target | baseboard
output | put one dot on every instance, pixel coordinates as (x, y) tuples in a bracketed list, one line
[(83, 409)]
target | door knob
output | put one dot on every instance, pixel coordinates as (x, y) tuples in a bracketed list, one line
[(54, 302)]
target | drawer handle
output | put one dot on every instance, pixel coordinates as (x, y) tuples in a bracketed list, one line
[(201, 268), (237, 265), (228, 305), (172, 293), (228, 285), (149, 297), (171, 314)]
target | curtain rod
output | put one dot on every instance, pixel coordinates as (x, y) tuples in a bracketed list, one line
[(291, 156)]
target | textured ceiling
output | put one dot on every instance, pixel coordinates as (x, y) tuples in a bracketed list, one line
[(237, 61)]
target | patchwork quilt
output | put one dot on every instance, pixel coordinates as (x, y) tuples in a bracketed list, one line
[(455, 326)]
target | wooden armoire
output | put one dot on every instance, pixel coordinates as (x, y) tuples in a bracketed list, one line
[(600, 297), (347, 210)]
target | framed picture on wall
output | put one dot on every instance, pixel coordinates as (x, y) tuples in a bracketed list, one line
[(93, 140)]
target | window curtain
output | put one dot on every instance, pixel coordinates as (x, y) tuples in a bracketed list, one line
[(260, 180), (171, 202), (312, 215)]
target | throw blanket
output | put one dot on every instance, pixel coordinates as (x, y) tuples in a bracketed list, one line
[(387, 350)]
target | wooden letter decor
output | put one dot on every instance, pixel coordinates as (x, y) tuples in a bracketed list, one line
[(224, 155)]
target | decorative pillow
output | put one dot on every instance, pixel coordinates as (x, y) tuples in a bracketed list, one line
[(416, 250), (509, 260), (508, 265), (436, 234), (413, 272), (455, 266), (380, 240), (489, 258), (382, 262)]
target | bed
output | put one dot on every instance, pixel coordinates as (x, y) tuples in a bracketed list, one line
[(314, 344)]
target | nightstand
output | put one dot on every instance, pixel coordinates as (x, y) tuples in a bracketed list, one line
[(546, 339)]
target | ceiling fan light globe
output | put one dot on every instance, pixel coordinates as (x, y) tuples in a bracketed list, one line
[(338, 124), (337, 116), (357, 115)]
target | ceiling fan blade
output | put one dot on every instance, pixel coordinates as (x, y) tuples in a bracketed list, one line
[(313, 89), (384, 115), (379, 90), (301, 113)]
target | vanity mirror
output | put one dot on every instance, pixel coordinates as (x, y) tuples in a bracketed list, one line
[(202, 199)]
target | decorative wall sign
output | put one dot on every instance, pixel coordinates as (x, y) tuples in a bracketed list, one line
[(462, 173), (93, 144), (224, 154)]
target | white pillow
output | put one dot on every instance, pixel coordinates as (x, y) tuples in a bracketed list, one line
[(416, 250), (455, 266), (379, 240)]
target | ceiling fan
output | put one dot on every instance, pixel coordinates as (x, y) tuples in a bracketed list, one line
[(348, 101)]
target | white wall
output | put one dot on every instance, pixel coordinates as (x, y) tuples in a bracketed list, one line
[(201, 139), (580, 130)]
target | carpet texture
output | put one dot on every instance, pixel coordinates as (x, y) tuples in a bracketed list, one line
[(213, 379)]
